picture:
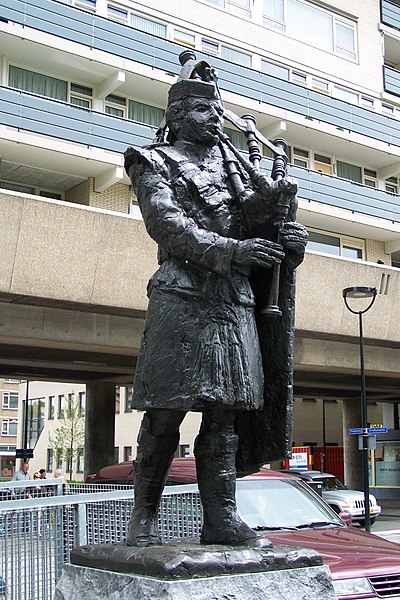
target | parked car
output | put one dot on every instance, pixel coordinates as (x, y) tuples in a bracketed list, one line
[(338, 496), (287, 511)]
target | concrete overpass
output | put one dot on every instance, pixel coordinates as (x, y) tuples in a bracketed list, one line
[(73, 299)]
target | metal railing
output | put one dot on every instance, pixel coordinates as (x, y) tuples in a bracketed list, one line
[(38, 530)]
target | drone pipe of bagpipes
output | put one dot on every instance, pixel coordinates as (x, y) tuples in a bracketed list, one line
[(230, 163), (261, 181), (278, 172), (252, 142)]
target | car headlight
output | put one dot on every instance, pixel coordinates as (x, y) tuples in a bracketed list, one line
[(352, 587)]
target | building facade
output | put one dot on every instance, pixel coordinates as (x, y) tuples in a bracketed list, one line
[(82, 80), (9, 421)]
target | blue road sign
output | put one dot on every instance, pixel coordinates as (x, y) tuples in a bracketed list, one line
[(355, 430), (378, 430)]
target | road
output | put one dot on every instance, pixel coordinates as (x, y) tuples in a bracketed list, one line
[(387, 524)]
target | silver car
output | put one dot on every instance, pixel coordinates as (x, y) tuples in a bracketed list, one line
[(338, 496)]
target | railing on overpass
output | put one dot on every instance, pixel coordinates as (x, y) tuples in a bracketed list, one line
[(38, 533), (121, 40)]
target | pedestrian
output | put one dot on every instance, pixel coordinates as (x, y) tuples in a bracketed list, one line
[(21, 475), (42, 473)]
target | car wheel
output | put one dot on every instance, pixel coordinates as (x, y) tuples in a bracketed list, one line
[(362, 521)]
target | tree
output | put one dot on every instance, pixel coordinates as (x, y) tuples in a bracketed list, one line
[(69, 437)]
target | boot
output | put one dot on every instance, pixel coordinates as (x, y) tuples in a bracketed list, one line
[(216, 476), (153, 461)]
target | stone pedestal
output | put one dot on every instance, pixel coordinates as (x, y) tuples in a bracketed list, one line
[(181, 570)]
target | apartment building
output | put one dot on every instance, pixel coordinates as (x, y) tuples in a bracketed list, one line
[(82, 80), (9, 420)]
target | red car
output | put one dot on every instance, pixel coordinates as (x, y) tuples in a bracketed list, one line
[(289, 512)]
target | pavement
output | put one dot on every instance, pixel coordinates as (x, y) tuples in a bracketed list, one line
[(387, 524)]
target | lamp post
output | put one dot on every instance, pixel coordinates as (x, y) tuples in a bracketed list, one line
[(362, 293)]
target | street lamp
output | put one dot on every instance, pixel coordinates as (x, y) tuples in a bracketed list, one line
[(362, 293)]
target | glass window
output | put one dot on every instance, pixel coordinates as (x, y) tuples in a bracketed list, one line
[(148, 26), (128, 398), (144, 113), (347, 171), (82, 400), (346, 95), (391, 185), (37, 83), (50, 456), (127, 453), (80, 464), (217, 2), (209, 46), (59, 460), (322, 164), (51, 407), (345, 40), (322, 242), (298, 77), (274, 14), (184, 37), (234, 56), (60, 410), (237, 138), (320, 85), (184, 450), (10, 400), (275, 70), (239, 7), (301, 157), (9, 426), (349, 252), (115, 12), (116, 455), (309, 24)]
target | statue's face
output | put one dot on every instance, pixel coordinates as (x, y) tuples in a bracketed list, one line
[(202, 122)]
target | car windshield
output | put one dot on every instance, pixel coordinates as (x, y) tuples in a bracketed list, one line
[(281, 504), (331, 484)]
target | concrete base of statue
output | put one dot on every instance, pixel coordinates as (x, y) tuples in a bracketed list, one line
[(185, 569)]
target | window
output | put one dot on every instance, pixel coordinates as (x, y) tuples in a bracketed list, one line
[(301, 158), (148, 26), (184, 37), (80, 95), (116, 455), (51, 407), (184, 450), (299, 77), (313, 25), (59, 461), (10, 400), (320, 85), (275, 70), (388, 109), (36, 83), (237, 138), (274, 14), (60, 410), (9, 426), (346, 95), (128, 398), (235, 56), (370, 178), (335, 244), (12, 380), (86, 4), (347, 171), (117, 13), (392, 185), (144, 113), (80, 463), (81, 401), (50, 457), (323, 164), (127, 453), (115, 105), (239, 7), (210, 46)]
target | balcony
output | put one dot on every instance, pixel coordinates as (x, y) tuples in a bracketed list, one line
[(27, 112), (390, 13), (102, 34)]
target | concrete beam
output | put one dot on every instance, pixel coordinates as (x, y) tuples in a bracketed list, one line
[(107, 179), (389, 171), (109, 85), (393, 246), (275, 130)]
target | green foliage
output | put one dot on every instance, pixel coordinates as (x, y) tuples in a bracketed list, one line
[(69, 437)]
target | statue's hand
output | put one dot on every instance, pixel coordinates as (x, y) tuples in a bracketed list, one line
[(257, 252), (293, 236), (272, 189)]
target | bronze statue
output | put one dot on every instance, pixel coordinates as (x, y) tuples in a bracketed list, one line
[(210, 343)]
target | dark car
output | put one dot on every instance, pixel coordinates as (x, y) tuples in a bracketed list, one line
[(338, 496)]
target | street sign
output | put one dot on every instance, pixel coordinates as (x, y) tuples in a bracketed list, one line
[(378, 430), (24, 453), (368, 430)]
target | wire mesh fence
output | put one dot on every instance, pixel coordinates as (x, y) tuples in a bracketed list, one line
[(38, 531)]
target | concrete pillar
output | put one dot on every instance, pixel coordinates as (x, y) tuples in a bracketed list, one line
[(99, 426), (353, 467)]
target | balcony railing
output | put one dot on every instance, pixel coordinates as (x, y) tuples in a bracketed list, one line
[(28, 112), (391, 79), (390, 13), (99, 33)]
